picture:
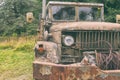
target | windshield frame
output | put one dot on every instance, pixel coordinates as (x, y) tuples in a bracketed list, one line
[(76, 5)]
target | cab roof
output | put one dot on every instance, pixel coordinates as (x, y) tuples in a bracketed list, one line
[(74, 3)]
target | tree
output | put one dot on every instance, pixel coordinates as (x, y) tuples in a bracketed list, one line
[(13, 14)]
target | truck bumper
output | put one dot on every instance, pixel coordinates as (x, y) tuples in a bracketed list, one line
[(78, 71)]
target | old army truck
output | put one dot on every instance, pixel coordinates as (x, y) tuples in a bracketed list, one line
[(75, 44)]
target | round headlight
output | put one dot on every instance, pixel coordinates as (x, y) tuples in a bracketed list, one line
[(68, 40)]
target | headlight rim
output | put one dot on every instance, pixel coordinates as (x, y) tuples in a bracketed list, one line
[(64, 40)]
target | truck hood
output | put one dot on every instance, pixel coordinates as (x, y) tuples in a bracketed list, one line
[(85, 26)]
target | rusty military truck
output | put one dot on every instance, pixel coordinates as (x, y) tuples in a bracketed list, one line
[(76, 44)]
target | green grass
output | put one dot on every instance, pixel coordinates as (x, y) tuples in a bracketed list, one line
[(16, 59)]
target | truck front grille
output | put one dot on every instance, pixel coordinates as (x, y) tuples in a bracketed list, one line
[(95, 40), (100, 47)]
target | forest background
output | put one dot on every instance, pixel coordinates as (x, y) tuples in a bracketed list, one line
[(13, 12)]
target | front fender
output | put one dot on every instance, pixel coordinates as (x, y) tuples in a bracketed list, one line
[(50, 53)]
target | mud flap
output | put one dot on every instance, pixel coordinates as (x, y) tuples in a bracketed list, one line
[(51, 71)]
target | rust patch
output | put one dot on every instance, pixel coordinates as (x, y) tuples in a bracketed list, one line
[(51, 71), (45, 70)]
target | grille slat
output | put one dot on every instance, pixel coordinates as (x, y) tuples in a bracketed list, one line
[(105, 38), (118, 37), (98, 38)]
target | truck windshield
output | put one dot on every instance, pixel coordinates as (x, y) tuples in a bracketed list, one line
[(87, 13), (63, 13)]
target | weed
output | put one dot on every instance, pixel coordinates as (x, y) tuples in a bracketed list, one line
[(16, 59)]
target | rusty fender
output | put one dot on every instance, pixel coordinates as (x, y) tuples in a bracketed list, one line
[(78, 71), (50, 52)]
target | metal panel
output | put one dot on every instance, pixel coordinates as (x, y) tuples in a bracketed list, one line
[(51, 71)]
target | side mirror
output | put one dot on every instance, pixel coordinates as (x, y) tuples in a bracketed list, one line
[(29, 17), (117, 18)]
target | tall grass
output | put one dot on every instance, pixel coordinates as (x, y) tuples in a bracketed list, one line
[(16, 58)]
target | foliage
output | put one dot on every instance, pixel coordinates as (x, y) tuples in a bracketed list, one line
[(16, 57), (12, 15)]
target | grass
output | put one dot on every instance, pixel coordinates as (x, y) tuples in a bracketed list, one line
[(16, 57)]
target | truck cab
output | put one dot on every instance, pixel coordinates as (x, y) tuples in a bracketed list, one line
[(76, 44)]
